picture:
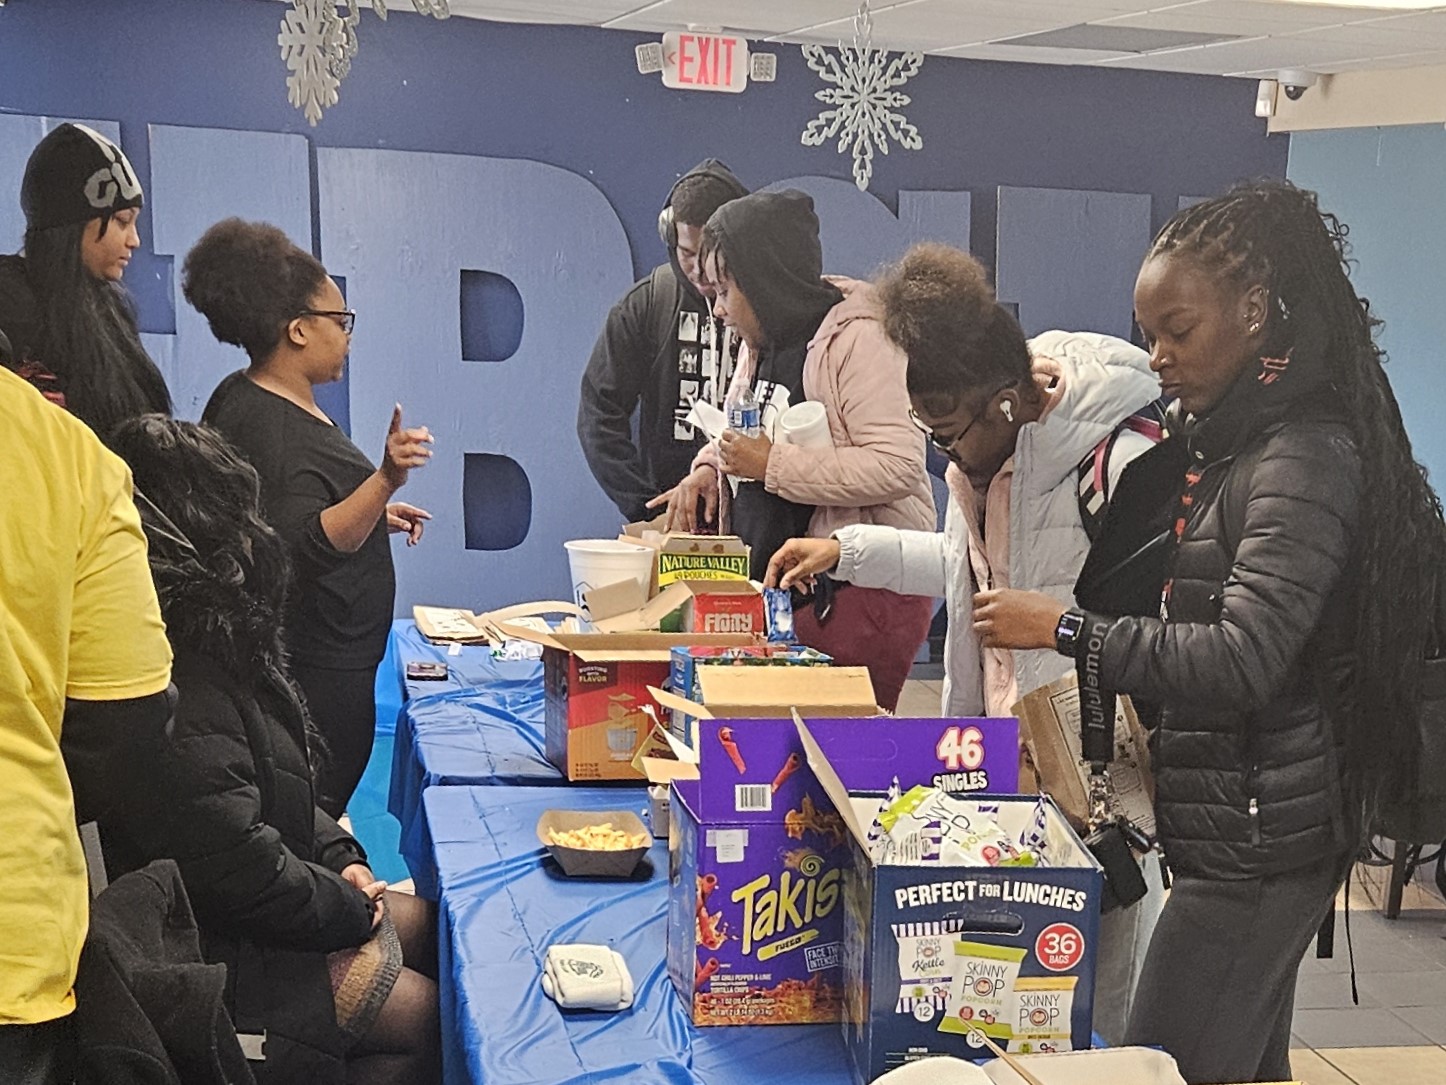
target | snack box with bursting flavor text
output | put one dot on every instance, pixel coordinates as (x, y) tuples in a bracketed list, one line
[(929, 946), (599, 709), (758, 855)]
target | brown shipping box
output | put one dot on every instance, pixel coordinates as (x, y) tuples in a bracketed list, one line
[(1049, 727), (599, 711)]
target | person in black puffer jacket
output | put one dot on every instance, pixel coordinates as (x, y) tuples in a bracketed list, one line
[(1293, 617), (329, 977)]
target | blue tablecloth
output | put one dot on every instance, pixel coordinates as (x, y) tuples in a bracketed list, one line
[(472, 666), (503, 902), (483, 725)]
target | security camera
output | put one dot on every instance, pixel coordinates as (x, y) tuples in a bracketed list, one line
[(1295, 82)]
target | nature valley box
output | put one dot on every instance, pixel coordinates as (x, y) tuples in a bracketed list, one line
[(691, 557), (599, 709), (758, 857)]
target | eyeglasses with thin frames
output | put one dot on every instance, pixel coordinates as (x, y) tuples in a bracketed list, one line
[(346, 318), (945, 448)]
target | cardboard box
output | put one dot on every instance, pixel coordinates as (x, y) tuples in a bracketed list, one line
[(683, 675), (723, 606), (1001, 945), (758, 857), (1049, 724), (599, 711), (769, 693), (691, 557)]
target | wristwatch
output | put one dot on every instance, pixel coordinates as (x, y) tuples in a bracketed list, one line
[(1067, 633)]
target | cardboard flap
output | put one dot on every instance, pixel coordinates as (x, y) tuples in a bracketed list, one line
[(675, 703), (823, 691), (614, 600), (448, 624), (645, 614), (828, 779), (664, 770)]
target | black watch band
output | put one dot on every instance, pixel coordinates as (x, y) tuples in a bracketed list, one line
[(1068, 632)]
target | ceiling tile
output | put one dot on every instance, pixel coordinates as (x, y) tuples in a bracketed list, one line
[(1247, 16), (942, 24), (1284, 51), (757, 17), (1375, 38), (584, 12), (1029, 54)]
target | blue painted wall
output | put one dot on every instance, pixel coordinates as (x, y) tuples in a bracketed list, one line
[(1385, 184), (568, 154)]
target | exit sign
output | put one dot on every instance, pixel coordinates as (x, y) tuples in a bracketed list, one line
[(697, 61)]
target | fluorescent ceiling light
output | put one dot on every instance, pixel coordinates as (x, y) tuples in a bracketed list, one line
[(1384, 5)]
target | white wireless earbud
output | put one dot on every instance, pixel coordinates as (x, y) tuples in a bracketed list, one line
[(1008, 410)]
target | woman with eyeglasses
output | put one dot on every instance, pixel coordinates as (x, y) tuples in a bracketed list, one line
[(1023, 423), (331, 506)]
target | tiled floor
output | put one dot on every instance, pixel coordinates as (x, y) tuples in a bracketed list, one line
[(1397, 1034)]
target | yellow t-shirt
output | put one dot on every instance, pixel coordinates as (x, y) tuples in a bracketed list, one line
[(78, 618)]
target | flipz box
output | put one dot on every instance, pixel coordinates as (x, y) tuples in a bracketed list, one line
[(929, 947), (759, 856)]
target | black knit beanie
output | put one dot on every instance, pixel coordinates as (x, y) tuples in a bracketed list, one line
[(74, 175)]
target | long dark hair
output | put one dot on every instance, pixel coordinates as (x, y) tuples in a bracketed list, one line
[(89, 336), (221, 570), (1274, 234)]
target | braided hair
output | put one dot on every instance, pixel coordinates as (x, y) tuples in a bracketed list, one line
[(1273, 234)]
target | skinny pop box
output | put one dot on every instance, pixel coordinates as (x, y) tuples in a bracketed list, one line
[(759, 855), (984, 914)]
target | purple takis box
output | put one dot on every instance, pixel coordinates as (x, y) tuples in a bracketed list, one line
[(758, 854)]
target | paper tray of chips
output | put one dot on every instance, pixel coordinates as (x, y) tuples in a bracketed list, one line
[(597, 861)]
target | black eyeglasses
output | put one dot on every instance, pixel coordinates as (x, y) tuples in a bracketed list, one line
[(344, 317), (945, 448)]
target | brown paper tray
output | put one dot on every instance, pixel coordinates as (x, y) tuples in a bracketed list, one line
[(586, 862)]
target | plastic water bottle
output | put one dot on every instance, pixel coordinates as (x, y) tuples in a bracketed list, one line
[(745, 415)]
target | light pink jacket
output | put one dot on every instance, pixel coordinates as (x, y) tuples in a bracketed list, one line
[(874, 473)]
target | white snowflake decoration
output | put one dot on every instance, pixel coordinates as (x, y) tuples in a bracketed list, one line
[(318, 43), (863, 101), (311, 40)]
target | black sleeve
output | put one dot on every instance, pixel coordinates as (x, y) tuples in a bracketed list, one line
[(1299, 525), (612, 385), (111, 749), (237, 870), (336, 849)]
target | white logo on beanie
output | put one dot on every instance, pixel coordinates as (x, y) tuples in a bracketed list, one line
[(117, 179)]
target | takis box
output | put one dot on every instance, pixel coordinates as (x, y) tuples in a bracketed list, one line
[(759, 856), (929, 947)]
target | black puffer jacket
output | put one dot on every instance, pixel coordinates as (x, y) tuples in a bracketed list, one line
[(1252, 663), (260, 862)]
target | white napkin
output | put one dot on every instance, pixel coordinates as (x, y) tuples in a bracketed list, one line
[(584, 977)]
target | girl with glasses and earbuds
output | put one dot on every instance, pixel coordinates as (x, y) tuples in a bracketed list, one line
[(330, 505), (1016, 418)]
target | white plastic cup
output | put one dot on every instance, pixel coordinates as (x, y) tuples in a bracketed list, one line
[(596, 563), (805, 424)]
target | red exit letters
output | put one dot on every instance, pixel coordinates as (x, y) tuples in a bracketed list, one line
[(696, 61)]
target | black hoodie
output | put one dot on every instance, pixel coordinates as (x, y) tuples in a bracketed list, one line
[(769, 246), (660, 348)]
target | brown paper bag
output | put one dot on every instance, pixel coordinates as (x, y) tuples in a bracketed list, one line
[(1049, 727)]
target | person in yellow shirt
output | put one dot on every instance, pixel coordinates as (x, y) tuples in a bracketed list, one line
[(81, 641)]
